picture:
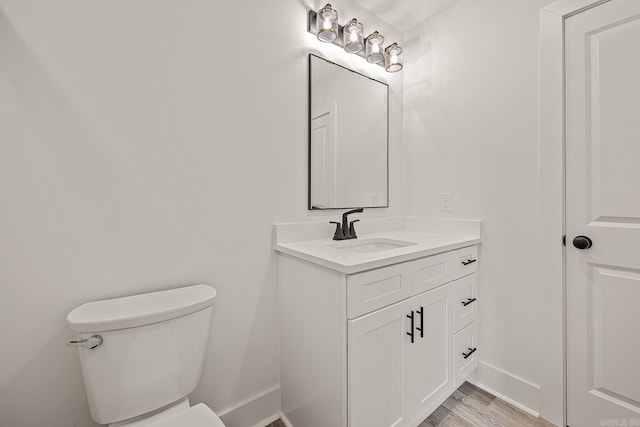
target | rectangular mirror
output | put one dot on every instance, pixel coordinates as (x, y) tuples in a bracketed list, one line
[(348, 138)]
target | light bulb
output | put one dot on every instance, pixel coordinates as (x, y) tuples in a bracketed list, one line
[(326, 23)]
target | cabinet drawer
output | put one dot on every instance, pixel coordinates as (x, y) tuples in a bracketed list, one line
[(466, 304), (431, 272), (466, 352), (465, 261), (375, 289)]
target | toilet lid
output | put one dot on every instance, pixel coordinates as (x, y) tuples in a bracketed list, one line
[(199, 415)]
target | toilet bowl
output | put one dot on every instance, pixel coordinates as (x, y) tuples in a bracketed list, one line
[(142, 355)]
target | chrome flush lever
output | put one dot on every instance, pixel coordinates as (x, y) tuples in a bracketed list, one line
[(92, 342)]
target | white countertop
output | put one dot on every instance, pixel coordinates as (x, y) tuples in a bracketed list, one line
[(428, 237)]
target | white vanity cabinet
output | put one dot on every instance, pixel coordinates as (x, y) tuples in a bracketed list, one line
[(378, 348)]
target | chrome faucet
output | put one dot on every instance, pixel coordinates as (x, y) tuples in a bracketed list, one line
[(346, 230)]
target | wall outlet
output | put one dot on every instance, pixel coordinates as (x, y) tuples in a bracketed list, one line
[(445, 202)]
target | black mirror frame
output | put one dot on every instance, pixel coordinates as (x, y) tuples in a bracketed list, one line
[(309, 206)]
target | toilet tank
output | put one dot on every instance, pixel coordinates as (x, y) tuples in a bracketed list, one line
[(152, 352)]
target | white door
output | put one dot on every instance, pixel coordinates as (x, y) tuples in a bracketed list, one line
[(431, 352), (323, 158), (379, 368), (602, 57)]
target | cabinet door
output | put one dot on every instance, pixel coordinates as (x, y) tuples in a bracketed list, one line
[(431, 354), (379, 364)]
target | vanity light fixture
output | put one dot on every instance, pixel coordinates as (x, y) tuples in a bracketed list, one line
[(324, 24), (353, 41), (393, 58)]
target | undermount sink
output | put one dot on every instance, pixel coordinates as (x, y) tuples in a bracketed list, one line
[(369, 245)]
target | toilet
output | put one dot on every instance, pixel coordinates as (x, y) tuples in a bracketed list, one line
[(142, 355)]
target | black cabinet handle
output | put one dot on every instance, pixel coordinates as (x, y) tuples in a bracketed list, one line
[(410, 316), (471, 261), (421, 313), (468, 301), (471, 351)]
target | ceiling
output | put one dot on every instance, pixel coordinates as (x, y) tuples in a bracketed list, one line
[(405, 14)]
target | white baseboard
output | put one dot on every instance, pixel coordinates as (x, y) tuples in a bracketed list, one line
[(285, 420), (514, 390), (257, 411), (264, 408)]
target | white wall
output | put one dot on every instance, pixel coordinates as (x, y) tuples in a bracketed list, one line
[(147, 144), (471, 129)]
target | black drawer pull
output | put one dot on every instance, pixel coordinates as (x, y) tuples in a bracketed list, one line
[(410, 316), (421, 328), (471, 351), (468, 301), (471, 261)]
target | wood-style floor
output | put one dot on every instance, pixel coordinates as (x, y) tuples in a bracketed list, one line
[(470, 406)]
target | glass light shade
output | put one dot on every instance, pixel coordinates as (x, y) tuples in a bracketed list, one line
[(374, 49), (393, 58), (327, 24), (352, 36)]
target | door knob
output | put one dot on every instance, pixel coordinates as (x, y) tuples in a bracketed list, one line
[(582, 242)]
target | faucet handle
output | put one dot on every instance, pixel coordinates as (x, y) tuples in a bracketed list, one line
[(338, 235), (352, 230)]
